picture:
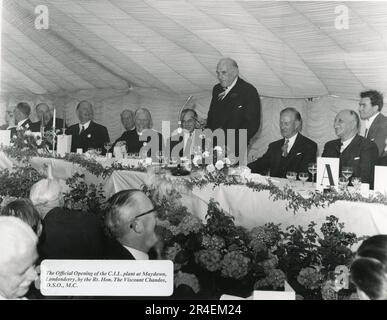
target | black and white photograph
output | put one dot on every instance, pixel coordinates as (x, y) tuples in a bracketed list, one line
[(211, 151)]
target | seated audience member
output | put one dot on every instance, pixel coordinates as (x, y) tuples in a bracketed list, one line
[(9, 121), (17, 258), (369, 269), (66, 234), (189, 121), (292, 153), (24, 210), (130, 136), (143, 121), (370, 107), (45, 116), (353, 150), (130, 221), (21, 113), (87, 133)]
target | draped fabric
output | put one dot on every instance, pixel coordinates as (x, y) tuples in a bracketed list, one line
[(150, 53)]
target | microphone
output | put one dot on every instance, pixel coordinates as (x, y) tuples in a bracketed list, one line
[(179, 129)]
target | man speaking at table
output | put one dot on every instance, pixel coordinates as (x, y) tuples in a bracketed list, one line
[(87, 134), (235, 103)]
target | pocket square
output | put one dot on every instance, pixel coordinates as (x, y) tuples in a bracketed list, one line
[(373, 139), (298, 153), (240, 107), (356, 158)]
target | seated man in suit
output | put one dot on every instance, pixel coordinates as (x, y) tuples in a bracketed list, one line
[(45, 117), (147, 136), (130, 220), (21, 113), (370, 107), (17, 258), (292, 153), (130, 136), (87, 134), (185, 135), (353, 150)]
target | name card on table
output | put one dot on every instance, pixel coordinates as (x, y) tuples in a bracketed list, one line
[(287, 294), (327, 173), (380, 182), (63, 144), (5, 137)]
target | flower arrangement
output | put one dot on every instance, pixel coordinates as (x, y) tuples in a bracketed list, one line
[(217, 257)]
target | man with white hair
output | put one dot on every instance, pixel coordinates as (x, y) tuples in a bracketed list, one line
[(130, 136), (17, 259)]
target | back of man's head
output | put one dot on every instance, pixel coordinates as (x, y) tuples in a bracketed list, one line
[(46, 194)]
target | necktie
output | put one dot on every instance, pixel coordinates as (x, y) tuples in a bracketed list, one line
[(366, 133), (82, 130), (285, 148), (340, 147), (222, 94)]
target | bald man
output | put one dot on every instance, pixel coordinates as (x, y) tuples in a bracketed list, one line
[(17, 259), (87, 133), (130, 220), (353, 150), (235, 103), (45, 116)]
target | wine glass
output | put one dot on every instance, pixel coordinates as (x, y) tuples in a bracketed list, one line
[(107, 146), (347, 172), (312, 168), (356, 182), (343, 182), (291, 176), (304, 176)]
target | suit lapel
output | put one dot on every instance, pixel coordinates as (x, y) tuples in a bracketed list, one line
[(349, 151), (226, 105), (374, 126), (296, 146)]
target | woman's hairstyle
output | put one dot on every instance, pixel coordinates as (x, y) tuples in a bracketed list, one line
[(24, 210), (369, 270)]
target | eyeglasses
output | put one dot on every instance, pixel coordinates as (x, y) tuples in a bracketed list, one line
[(144, 213), (147, 212)]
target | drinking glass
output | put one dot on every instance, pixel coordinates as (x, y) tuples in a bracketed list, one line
[(304, 176), (98, 151), (312, 168), (343, 182), (291, 176), (107, 146), (347, 172)]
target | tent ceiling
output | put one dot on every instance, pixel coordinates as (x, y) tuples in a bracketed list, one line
[(286, 49)]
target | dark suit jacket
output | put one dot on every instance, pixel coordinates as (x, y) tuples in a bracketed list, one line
[(35, 126), (26, 125), (71, 234), (361, 154), (240, 109), (131, 138), (378, 132), (94, 136), (113, 250), (302, 152)]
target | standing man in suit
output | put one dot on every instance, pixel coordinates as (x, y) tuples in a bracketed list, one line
[(353, 150), (370, 106), (130, 221), (235, 103), (45, 117), (291, 153), (87, 134)]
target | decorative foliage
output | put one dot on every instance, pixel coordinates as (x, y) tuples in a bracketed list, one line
[(18, 181)]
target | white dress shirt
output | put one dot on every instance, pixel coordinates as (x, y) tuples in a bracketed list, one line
[(291, 142), (85, 126), (228, 89), (346, 144), (137, 254)]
